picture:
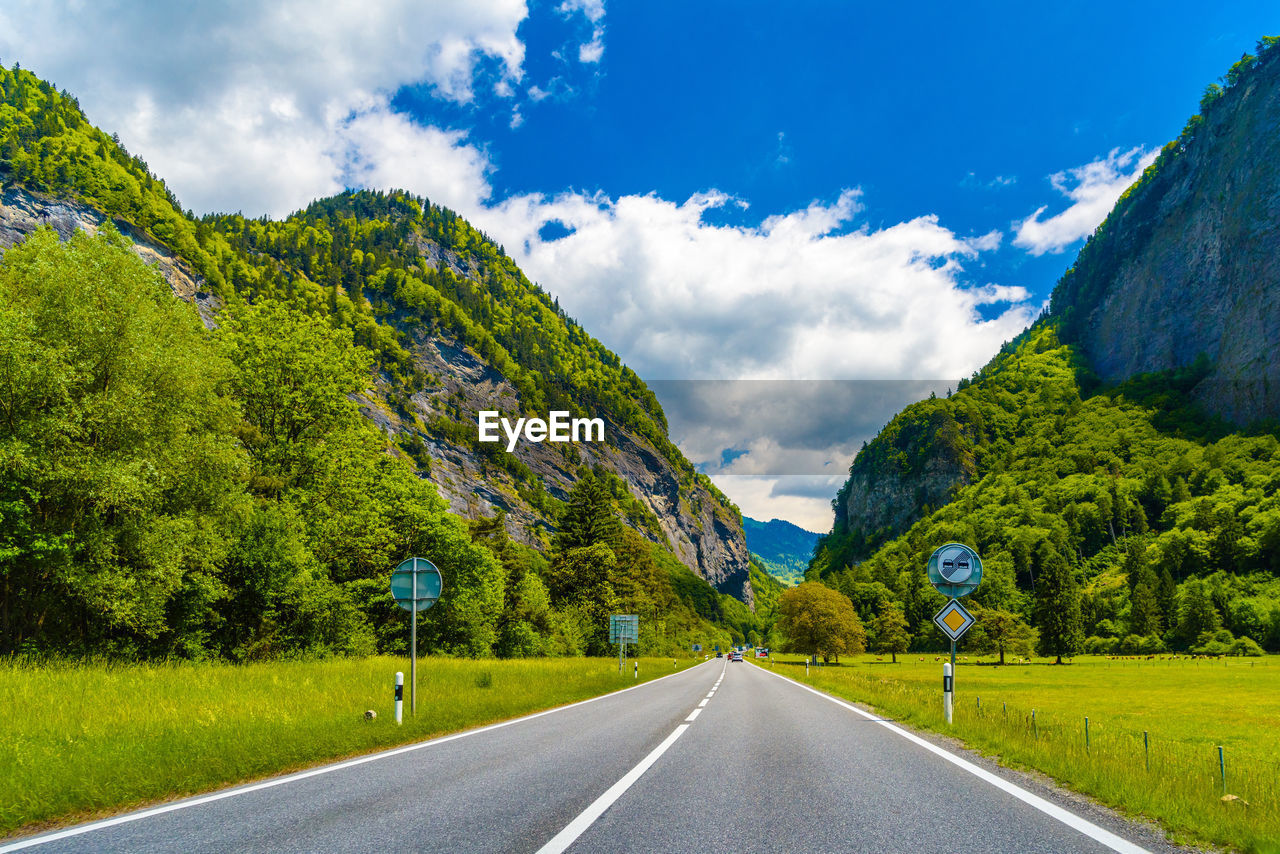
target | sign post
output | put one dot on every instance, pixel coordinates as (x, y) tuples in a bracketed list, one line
[(624, 628), (416, 585), (955, 570)]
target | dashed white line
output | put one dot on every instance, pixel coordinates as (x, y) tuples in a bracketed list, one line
[(587, 817), (33, 841), (694, 715)]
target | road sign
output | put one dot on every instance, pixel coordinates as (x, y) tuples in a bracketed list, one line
[(416, 585), (697, 647), (955, 570), (624, 628), (416, 579), (954, 620)]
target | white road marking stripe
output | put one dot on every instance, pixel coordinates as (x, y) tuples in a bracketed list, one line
[(1070, 819), (33, 841), (693, 716), (704, 702), (587, 817)]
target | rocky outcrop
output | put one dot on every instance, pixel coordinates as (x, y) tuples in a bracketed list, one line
[(22, 212), (704, 534), (1188, 264)]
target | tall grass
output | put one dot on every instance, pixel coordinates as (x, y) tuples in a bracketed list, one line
[(1187, 708), (77, 740)]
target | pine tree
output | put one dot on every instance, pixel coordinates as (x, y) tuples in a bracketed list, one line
[(1057, 608)]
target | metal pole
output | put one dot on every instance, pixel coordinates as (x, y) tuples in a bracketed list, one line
[(1146, 749), (1222, 768), (1086, 733), (413, 646), (953, 667)]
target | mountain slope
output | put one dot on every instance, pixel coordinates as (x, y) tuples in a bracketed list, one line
[(452, 323), (781, 548), (1164, 512)]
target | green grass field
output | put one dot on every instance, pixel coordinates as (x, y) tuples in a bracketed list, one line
[(1188, 708), (83, 740)]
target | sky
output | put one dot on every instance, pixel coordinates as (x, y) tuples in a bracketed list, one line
[(792, 219)]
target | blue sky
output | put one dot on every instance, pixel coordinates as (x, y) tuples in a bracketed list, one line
[(719, 191)]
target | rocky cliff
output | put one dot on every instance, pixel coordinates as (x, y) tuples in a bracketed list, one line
[(1188, 262), (669, 508)]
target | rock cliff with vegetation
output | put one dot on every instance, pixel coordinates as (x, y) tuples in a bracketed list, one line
[(383, 308)]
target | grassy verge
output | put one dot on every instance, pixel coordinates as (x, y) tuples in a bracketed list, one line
[(79, 740), (1033, 716)]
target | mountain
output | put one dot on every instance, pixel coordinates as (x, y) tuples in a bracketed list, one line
[(1185, 267), (452, 324), (781, 548), (1119, 435)]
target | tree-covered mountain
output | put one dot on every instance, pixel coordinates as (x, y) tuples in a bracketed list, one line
[(1114, 497), (242, 486), (781, 548)]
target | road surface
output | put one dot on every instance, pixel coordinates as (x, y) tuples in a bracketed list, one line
[(721, 757)]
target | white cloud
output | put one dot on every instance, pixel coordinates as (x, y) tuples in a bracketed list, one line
[(593, 9), (800, 296), (1093, 190), (249, 106), (592, 51)]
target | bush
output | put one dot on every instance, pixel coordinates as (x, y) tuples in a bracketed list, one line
[(1245, 646)]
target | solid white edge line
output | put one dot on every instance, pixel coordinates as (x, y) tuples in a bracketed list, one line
[(587, 817), (1070, 819), (693, 716), (199, 800)]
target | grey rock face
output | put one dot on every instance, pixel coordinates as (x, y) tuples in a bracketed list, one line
[(1200, 262)]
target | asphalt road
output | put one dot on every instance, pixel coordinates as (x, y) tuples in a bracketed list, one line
[(721, 757)]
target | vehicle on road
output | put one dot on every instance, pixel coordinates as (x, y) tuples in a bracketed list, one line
[(737, 656), (719, 655)]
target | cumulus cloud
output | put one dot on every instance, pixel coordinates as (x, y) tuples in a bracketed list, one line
[(258, 107), (803, 295), (1093, 190)]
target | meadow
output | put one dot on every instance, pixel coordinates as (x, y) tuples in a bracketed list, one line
[(83, 740), (1154, 729)]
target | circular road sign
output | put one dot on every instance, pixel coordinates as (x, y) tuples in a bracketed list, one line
[(955, 570), (429, 583)]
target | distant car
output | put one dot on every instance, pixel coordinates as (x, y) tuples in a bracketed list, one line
[(719, 655), (737, 656)]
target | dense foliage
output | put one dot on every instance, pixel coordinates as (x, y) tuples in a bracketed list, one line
[(1110, 519)]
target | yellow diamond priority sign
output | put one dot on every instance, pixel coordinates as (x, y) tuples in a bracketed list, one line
[(954, 620)]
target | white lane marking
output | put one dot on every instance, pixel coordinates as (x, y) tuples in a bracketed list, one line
[(704, 702), (693, 716), (587, 817), (1070, 819), (33, 841)]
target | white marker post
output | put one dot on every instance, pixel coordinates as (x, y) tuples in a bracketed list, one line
[(637, 664), (399, 695), (946, 690)]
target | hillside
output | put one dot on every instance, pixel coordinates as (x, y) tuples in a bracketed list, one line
[(782, 549), (1062, 451), (451, 323), (233, 473)]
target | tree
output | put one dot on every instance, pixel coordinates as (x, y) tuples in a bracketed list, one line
[(118, 474), (1002, 631), (1057, 606), (818, 620), (1144, 609), (890, 630)]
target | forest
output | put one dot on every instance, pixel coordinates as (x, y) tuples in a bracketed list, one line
[(170, 491), (1109, 519)]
